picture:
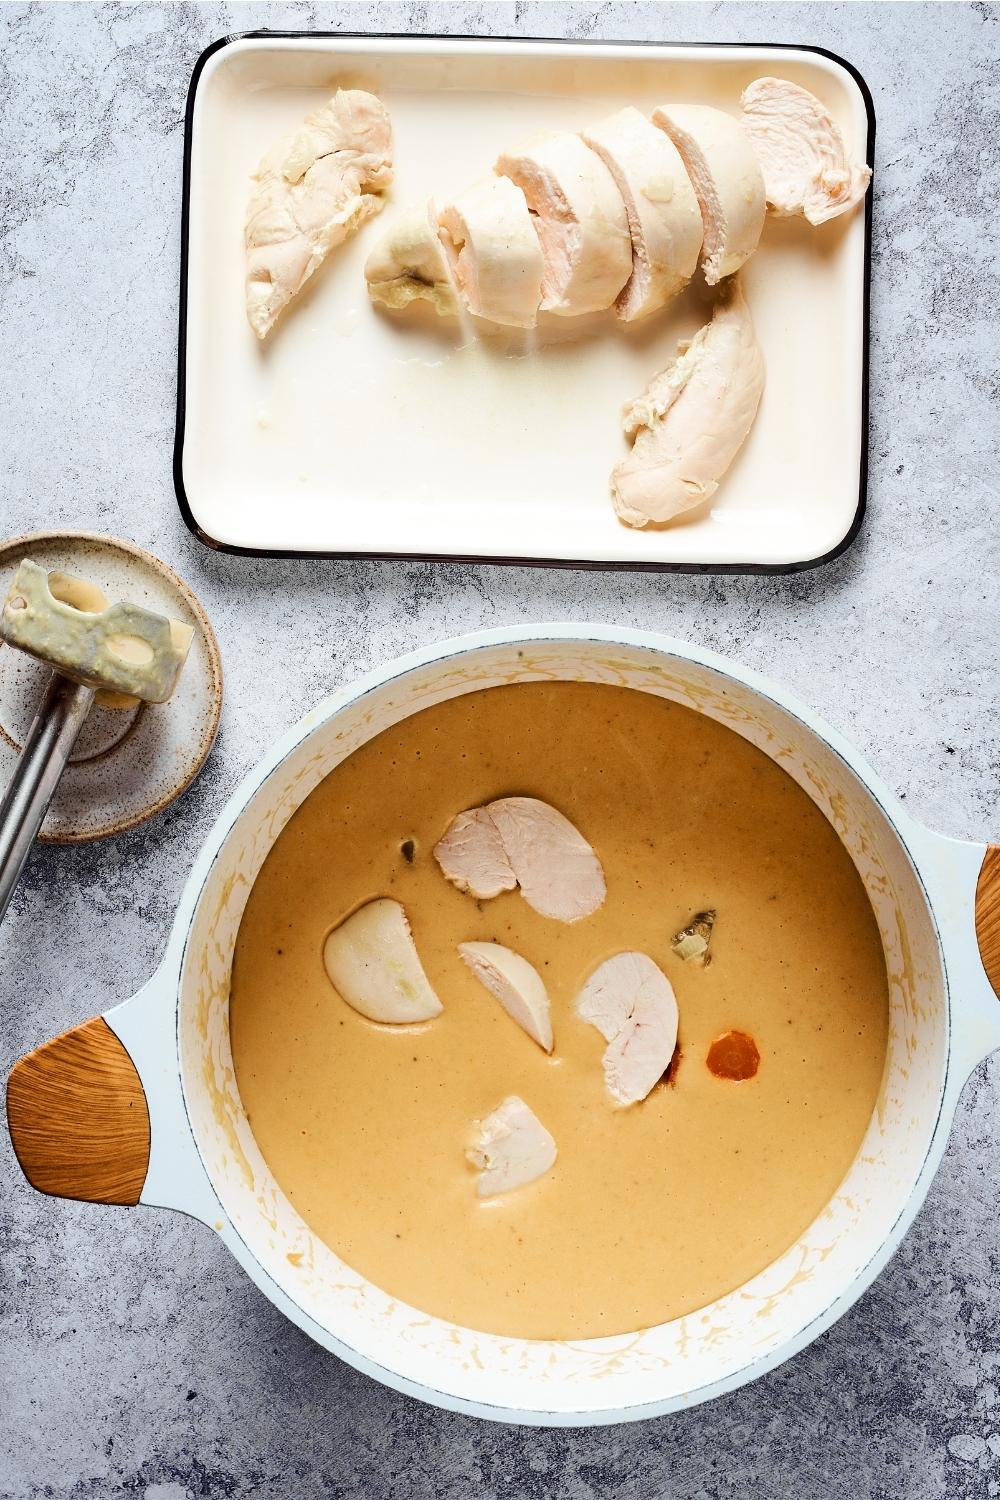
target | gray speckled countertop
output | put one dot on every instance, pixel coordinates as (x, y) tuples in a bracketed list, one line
[(135, 1357)]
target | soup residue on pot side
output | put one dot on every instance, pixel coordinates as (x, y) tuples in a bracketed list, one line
[(651, 1211)]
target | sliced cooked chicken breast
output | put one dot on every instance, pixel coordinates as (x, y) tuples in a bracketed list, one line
[(663, 215), (372, 962), (511, 1147), (516, 984), (493, 252), (580, 219), (311, 192), (559, 874), (693, 419), (807, 167), (409, 264), (472, 856), (631, 1002), (522, 841), (727, 179)]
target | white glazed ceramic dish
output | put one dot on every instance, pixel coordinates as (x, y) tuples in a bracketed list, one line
[(485, 450), (203, 1160)]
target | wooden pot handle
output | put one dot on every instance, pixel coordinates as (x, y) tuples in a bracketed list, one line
[(988, 916), (78, 1117)]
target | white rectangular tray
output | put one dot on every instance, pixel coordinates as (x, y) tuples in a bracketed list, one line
[(356, 432)]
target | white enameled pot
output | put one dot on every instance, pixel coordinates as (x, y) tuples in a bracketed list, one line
[(78, 1106)]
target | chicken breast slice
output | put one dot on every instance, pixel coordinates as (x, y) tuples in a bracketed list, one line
[(516, 984), (409, 264), (472, 856), (664, 219), (580, 220), (559, 874), (511, 1147), (631, 1002), (727, 181), (807, 167), (494, 253), (523, 841), (311, 192), (693, 419), (372, 962)]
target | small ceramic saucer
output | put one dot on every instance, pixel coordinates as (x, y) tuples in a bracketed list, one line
[(126, 765)]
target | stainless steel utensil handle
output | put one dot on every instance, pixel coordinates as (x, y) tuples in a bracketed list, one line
[(46, 750)]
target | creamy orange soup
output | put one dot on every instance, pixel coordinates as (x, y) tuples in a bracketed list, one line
[(650, 1211)]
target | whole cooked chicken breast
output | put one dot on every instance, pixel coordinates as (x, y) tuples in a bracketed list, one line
[(807, 167), (310, 193), (580, 219), (663, 215), (409, 264), (693, 418), (727, 179), (494, 253)]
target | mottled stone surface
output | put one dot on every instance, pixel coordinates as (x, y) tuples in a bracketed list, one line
[(135, 1358)]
